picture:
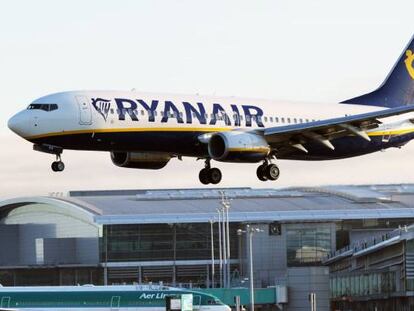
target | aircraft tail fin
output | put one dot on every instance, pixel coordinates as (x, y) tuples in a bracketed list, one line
[(397, 89)]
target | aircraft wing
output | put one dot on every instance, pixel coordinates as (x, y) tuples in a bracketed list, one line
[(323, 131)]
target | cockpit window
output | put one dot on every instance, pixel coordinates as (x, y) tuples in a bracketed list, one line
[(45, 107)]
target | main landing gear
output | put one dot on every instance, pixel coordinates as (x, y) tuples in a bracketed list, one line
[(58, 165), (268, 171), (209, 175)]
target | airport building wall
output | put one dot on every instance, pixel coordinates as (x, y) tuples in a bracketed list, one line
[(375, 273), (141, 236)]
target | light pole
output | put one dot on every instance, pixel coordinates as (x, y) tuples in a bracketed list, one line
[(224, 236), (250, 231), (220, 249), (226, 206), (212, 252)]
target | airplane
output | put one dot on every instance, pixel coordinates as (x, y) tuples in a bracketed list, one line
[(146, 130)]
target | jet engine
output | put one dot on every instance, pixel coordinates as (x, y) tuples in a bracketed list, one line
[(142, 160), (238, 147)]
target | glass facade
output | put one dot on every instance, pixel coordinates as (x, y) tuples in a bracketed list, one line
[(409, 264), (307, 244), (155, 242), (363, 284), (51, 276)]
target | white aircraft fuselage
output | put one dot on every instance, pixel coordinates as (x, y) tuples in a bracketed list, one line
[(144, 130), (142, 122)]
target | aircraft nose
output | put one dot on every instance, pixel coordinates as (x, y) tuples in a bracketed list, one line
[(17, 124)]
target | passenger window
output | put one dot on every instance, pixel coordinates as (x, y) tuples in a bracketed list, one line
[(283, 120), (271, 119), (288, 120), (295, 120), (265, 119)]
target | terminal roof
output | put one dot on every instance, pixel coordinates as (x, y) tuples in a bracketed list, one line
[(246, 204)]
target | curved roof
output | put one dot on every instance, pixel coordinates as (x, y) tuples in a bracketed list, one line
[(82, 209), (247, 205)]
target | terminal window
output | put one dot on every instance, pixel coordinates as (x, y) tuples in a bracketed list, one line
[(307, 245), (153, 242)]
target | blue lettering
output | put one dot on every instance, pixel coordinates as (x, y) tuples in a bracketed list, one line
[(236, 114), (171, 111), (218, 111), (253, 113), (150, 110), (122, 108), (200, 114)]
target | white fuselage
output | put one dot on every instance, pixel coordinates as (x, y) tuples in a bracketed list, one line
[(71, 117)]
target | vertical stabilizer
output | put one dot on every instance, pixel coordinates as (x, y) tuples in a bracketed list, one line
[(397, 89)]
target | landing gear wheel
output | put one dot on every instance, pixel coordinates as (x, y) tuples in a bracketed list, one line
[(58, 166), (214, 175), (272, 172), (204, 176), (210, 176), (261, 172), (54, 167)]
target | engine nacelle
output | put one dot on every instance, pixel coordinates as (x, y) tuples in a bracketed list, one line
[(142, 160), (238, 147)]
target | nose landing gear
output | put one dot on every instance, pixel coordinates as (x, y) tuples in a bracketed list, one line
[(268, 171), (58, 165), (209, 175)]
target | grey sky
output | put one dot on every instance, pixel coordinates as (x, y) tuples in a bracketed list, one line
[(300, 50)]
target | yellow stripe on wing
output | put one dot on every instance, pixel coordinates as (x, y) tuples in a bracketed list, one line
[(391, 132)]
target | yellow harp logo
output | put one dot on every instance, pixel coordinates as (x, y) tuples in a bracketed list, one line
[(409, 63)]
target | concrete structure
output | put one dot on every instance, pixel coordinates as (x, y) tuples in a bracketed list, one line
[(118, 237)]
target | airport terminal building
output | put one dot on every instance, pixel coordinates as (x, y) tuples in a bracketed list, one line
[(141, 236)]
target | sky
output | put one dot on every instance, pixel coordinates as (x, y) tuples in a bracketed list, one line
[(313, 51)]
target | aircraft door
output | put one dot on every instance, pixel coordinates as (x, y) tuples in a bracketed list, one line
[(85, 111)]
